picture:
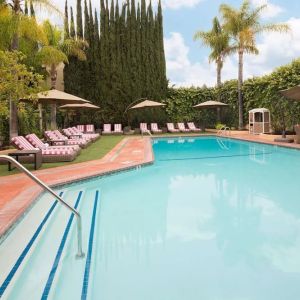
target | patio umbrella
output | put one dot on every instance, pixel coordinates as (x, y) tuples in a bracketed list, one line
[(212, 104), (291, 93), (85, 106), (54, 98), (77, 107), (147, 103)]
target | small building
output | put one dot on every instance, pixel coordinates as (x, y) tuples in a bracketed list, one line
[(259, 121)]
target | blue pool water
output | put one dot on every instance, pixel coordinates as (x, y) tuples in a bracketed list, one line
[(210, 219)]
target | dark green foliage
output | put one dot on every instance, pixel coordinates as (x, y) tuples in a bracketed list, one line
[(125, 58)]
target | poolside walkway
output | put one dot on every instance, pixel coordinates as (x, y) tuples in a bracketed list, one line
[(17, 192)]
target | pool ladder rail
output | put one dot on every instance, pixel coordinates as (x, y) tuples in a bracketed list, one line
[(80, 253), (224, 131)]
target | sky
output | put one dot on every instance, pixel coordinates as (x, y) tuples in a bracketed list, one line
[(187, 60)]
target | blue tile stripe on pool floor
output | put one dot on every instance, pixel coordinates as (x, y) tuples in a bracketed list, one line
[(59, 253), (85, 283), (22, 256)]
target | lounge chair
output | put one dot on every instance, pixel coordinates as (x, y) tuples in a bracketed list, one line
[(48, 155), (192, 127), (90, 128), (144, 128), (118, 129), (154, 128), (81, 128), (58, 136), (92, 136), (171, 128), (297, 136), (107, 129), (182, 128), (72, 134), (36, 142)]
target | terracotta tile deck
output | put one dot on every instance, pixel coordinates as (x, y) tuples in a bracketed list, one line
[(17, 192)]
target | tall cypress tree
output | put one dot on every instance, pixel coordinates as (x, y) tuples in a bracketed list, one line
[(162, 60), (66, 22), (72, 25), (79, 20), (32, 12), (26, 8)]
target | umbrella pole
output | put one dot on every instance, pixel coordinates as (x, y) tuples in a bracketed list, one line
[(53, 116), (40, 117)]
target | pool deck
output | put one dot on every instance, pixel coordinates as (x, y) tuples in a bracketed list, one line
[(17, 192)]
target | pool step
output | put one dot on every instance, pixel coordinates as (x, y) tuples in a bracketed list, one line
[(53, 243), (72, 279)]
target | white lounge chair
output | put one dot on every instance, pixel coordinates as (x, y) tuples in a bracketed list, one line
[(154, 128), (106, 129), (182, 128), (118, 129), (144, 128), (171, 128), (192, 127)]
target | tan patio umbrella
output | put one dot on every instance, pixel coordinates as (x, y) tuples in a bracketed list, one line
[(79, 106), (291, 93), (147, 103), (54, 98), (74, 107), (212, 104)]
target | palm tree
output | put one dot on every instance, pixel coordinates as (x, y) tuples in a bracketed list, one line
[(218, 41), (56, 51), (243, 25), (18, 26)]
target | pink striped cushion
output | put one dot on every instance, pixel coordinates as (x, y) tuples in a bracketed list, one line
[(35, 141), (143, 127), (118, 127), (57, 151), (107, 127), (90, 128), (80, 128), (21, 143), (59, 135)]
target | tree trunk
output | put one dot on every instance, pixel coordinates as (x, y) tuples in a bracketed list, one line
[(53, 76), (219, 83), (13, 105), (219, 69), (240, 92)]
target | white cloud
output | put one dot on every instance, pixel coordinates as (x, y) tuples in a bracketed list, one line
[(175, 4), (275, 50), (271, 11)]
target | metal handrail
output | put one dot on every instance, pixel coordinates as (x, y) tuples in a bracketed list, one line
[(224, 129), (146, 131), (80, 253)]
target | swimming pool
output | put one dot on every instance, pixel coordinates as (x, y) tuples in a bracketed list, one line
[(210, 219)]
